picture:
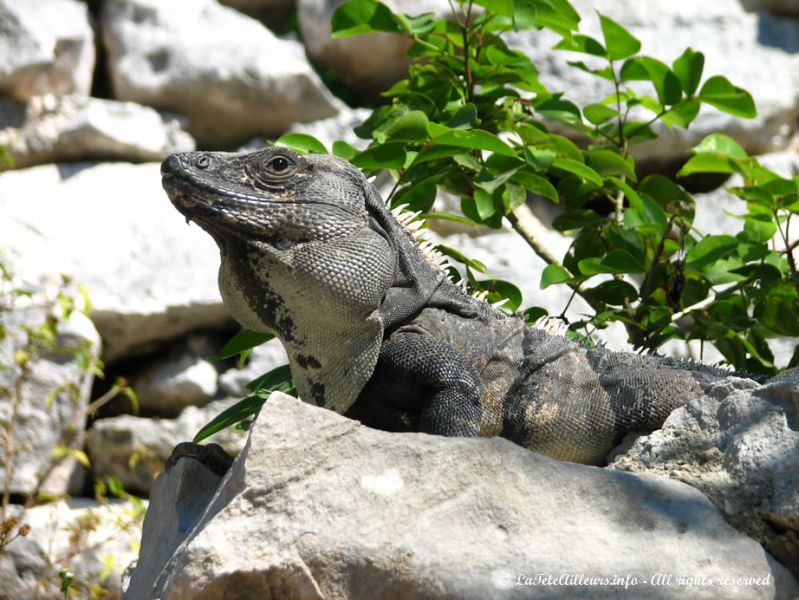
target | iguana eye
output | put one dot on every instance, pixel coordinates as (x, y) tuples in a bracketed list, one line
[(279, 165), (203, 162)]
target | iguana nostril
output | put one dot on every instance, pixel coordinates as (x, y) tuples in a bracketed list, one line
[(171, 165)]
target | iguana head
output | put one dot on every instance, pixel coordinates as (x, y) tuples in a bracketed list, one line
[(273, 196)]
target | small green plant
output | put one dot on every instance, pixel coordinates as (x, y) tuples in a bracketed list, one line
[(36, 342), (473, 119)]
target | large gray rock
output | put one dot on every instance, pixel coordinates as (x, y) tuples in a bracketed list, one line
[(110, 226), (46, 46), (740, 446), (95, 541), (48, 399), (134, 449), (60, 129), (318, 506), (228, 73), (736, 44), (370, 63)]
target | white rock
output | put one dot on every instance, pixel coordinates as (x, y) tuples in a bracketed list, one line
[(736, 44), (228, 73), (134, 449), (740, 446), (46, 46), (29, 565), (111, 227), (183, 377), (49, 406), (317, 506), (370, 63), (68, 128)]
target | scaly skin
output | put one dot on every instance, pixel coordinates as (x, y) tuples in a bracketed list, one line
[(375, 331)]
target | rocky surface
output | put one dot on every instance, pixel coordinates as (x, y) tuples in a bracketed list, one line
[(56, 129), (133, 449), (45, 47), (370, 63), (183, 377), (724, 32), (111, 228), (45, 395), (227, 72), (368, 514), (740, 447)]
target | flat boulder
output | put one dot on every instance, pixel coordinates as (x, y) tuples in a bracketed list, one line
[(319, 506)]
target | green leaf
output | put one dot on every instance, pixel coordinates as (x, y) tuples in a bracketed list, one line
[(710, 249), (420, 195), (301, 142), (536, 184), (243, 341), (462, 258), (557, 15), (540, 159), (581, 43), (409, 127), (513, 196), (475, 139), (499, 290), (607, 162), (683, 113), (554, 274), (230, 416), (363, 16), (707, 163), (688, 69), (484, 202), (344, 150), (599, 113), (616, 261), (614, 292), (524, 15), (278, 378), (619, 42), (582, 171), (645, 68), (759, 229), (718, 143), (382, 156), (720, 93)]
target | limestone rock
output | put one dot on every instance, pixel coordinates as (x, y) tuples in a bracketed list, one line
[(369, 63), (52, 396), (29, 565), (111, 227), (46, 47), (60, 129), (181, 378), (229, 74), (134, 449), (317, 506), (270, 12), (741, 448), (736, 44)]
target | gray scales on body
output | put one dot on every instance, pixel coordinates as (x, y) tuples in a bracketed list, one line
[(376, 330)]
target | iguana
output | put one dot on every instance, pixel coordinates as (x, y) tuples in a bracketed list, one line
[(376, 330)]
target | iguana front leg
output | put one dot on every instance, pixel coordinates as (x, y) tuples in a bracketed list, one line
[(421, 384)]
